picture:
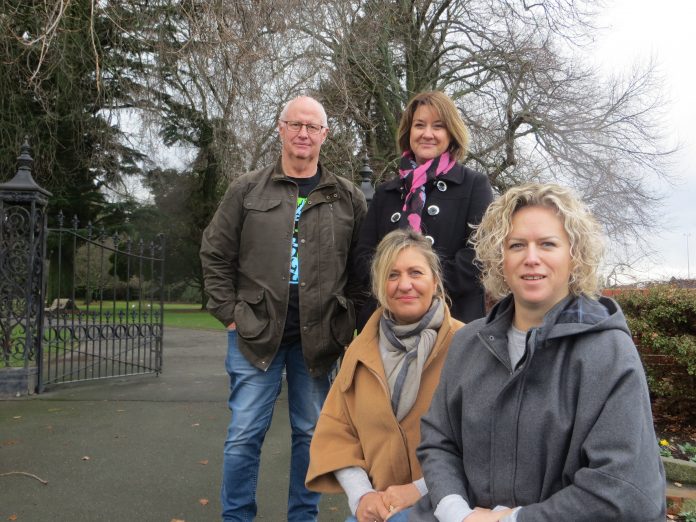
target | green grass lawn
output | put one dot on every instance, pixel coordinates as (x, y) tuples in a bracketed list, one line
[(189, 316)]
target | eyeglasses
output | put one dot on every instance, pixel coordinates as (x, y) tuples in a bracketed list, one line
[(296, 126)]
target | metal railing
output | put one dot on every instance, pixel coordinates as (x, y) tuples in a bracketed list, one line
[(74, 304), (109, 323)]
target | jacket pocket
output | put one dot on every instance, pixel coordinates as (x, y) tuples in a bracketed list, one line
[(250, 313), (260, 204), (342, 323)]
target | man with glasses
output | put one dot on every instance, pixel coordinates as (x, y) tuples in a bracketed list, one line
[(276, 260)]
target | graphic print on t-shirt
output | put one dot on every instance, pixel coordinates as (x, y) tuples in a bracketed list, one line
[(294, 258)]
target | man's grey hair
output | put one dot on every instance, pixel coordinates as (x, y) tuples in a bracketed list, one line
[(284, 112)]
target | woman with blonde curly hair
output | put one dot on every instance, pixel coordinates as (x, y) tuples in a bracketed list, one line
[(542, 412)]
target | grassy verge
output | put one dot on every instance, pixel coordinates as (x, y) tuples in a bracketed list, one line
[(190, 316)]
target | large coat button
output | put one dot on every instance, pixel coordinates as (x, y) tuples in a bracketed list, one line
[(433, 210), (395, 217), (441, 186)]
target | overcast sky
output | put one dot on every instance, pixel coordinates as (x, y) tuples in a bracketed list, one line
[(636, 31)]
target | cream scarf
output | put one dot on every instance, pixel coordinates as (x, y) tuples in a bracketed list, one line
[(402, 345)]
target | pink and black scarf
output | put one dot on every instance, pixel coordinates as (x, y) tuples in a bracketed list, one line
[(414, 177)]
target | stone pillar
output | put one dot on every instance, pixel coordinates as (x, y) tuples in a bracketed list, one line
[(22, 278)]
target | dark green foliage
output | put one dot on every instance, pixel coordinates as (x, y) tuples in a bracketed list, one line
[(182, 211), (55, 87), (663, 322)]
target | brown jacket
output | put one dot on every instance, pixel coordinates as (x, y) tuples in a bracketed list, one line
[(245, 253), (357, 426)]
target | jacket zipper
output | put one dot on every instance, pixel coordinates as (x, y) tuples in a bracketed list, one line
[(528, 356), (511, 371), (493, 352), (333, 235)]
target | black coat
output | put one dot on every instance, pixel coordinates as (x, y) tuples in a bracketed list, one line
[(463, 201)]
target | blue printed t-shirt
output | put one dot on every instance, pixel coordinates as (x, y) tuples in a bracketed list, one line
[(292, 320)]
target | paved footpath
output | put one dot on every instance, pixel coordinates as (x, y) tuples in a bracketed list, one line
[(142, 448)]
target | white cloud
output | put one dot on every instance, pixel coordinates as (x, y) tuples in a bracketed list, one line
[(637, 31)]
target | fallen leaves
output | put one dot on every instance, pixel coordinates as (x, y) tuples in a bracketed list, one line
[(201, 501), (203, 462), (12, 517), (17, 417), (86, 457)]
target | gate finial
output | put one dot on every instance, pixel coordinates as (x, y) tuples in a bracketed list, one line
[(22, 180)]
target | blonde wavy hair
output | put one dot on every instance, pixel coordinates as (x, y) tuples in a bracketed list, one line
[(447, 112), (389, 249), (584, 232)]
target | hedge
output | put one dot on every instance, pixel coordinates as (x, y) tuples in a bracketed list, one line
[(662, 320)]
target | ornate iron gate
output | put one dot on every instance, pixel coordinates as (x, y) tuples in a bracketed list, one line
[(103, 316), (106, 320)]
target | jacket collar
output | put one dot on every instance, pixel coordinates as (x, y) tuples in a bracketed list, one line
[(328, 184), (325, 177), (367, 346)]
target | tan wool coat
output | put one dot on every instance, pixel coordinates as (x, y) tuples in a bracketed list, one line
[(357, 426)]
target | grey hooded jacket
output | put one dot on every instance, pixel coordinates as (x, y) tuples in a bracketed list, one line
[(567, 434)]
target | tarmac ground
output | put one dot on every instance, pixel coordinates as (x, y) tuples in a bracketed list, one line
[(143, 448)]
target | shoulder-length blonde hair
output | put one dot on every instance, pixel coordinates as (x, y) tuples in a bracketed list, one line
[(448, 113), (389, 249), (584, 232)]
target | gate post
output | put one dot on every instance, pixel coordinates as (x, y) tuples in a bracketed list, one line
[(366, 179), (22, 278)]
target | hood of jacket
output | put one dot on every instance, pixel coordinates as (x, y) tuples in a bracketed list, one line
[(573, 315)]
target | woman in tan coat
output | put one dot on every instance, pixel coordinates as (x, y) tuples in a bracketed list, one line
[(366, 438)]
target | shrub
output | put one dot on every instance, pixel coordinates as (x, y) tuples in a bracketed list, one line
[(662, 320), (688, 516)]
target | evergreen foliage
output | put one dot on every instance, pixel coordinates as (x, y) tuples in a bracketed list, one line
[(663, 322)]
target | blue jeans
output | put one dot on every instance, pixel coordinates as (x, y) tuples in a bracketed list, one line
[(399, 516), (253, 395)]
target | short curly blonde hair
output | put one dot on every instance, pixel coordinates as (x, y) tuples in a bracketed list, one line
[(584, 232)]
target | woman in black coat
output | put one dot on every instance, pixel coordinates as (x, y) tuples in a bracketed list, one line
[(435, 195)]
